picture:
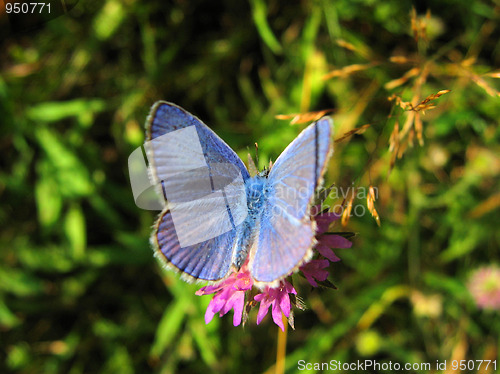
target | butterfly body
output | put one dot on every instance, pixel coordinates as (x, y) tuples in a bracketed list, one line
[(217, 217), (257, 190)]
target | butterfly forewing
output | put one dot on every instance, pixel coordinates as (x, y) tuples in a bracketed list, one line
[(185, 149), (286, 232)]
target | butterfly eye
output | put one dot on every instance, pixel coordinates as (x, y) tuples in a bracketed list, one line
[(264, 173)]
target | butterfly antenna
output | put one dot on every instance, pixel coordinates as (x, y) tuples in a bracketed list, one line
[(257, 153)]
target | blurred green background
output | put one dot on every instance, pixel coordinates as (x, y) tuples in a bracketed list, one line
[(80, 291)]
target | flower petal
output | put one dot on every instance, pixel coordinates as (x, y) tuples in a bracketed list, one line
[(217, 303), (289, 288), (238, 308), (208, 289), (324, 221), (276, 312), (284, 303), (334, 241), (315, 269), (259, 297), (263, 309), (327, 252), (213, 307), (208, 316)]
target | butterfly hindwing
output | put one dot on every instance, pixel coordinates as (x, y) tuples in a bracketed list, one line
[(286, 232), (209, 260)]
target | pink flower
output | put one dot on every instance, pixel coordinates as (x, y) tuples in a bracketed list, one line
[(279, 299), (229, 294), (315, 269), (323, 220), (328, 241), (484, 285)]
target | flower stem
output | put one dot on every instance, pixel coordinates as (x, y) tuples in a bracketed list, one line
[(281, 349)]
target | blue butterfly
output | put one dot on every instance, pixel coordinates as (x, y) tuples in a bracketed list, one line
[(217, 217)]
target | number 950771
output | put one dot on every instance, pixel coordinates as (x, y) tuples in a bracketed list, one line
[(27, 8)]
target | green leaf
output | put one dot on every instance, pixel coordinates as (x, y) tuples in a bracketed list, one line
[(118, 255), (74, 227), (50, 259), (58, 110), (48, 200), (18, 356), (327, 284), (169, 326), (207, 350), (109, 19), (107, 329), (463, 242), (454, 287), (7, 318), (259, 13), (62, 165), (19, 282), (119, 362)]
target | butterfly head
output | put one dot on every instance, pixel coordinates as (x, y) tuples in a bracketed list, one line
[(264, 173)]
